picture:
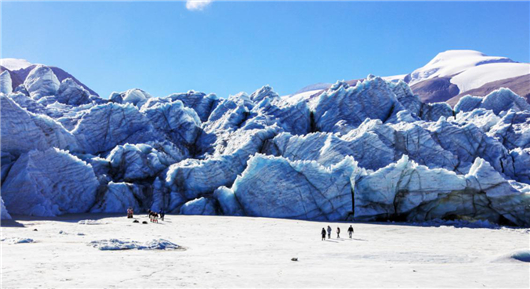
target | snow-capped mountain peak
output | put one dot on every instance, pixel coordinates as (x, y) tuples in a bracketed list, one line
[(15, 63), (451, 75), (452, 62)]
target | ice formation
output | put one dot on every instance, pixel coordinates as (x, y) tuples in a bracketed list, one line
[(49, 183), (6, 85), (372, 151), (117, 244), (17, 240)]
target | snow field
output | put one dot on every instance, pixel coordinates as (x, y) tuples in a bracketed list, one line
[(256, 252)]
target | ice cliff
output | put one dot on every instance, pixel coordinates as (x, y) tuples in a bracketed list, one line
[(369, 152)]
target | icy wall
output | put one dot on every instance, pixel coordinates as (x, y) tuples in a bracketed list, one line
[(367, 152)]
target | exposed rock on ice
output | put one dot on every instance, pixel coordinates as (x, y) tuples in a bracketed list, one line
[(49, 183)]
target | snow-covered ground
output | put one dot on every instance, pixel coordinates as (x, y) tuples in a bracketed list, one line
[(217, 251)]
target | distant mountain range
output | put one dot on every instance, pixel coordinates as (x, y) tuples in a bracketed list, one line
[(446, 78), (451, 75)]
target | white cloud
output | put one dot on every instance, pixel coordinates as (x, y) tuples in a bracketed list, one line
[(197, 4)]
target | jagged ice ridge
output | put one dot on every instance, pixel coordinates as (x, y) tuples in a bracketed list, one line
[(368, 152)]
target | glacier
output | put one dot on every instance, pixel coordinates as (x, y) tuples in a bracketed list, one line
[(372, 151), (49, 183)]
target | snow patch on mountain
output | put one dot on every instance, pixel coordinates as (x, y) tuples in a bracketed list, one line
[(14, 63), (452, 62)]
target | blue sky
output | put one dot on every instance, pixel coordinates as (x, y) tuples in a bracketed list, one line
[(228, 47)]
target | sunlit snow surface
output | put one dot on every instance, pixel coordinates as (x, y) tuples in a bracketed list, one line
[(371, 151), (243, 252)]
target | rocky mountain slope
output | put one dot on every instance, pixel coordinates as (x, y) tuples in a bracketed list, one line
[(369, 151)]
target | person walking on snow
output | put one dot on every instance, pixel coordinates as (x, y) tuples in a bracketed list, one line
[(329, 232), (323, 234), (350, 231), (162, 214), (338, 232)]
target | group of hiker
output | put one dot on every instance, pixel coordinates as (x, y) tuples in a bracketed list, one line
[(130, 213), (329, 230), (153, 216)]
